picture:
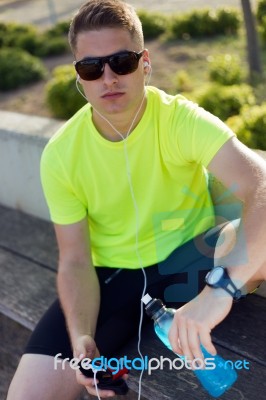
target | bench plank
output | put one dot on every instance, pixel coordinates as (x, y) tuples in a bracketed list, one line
[(243, 331), (28, 236), (26, 289)]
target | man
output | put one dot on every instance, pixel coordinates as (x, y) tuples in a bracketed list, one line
[(126, 183)]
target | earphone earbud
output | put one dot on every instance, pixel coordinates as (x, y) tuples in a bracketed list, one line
[(146, 64), (78, 78)]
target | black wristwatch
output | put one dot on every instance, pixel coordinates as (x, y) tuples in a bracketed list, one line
[(218, 277)]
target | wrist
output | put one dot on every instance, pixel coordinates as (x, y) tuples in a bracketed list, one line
[(218, 279), (217, 293)]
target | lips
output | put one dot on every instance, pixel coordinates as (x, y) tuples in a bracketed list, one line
[(112, 95)]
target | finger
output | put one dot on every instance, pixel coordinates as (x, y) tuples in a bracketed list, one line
[(174, 339), (183, 338), (99, 392), (194, 346), (85, 381), (206, 341)]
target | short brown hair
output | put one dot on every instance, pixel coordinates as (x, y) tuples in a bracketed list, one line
[(99, 14)]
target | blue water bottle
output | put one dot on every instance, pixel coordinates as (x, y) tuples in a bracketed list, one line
[(216, 381)]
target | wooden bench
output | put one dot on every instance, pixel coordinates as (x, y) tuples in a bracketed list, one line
[(28, 262)]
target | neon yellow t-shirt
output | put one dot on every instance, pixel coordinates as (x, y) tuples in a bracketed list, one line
[(85, 175)]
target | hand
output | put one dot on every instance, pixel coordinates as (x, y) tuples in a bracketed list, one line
[(194, 321), (85, 347)]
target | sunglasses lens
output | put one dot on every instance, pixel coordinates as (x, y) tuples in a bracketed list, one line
[(89, 69), (124, 63)]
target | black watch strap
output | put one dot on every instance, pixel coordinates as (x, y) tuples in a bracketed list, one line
[(229, 286)]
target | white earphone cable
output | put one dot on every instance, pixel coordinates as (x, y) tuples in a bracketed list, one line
[(136, 208)]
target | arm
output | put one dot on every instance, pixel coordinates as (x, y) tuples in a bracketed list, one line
[(79, 293), (77, 281), (234, 163)]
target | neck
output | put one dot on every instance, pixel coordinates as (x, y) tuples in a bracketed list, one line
[(117, 127)]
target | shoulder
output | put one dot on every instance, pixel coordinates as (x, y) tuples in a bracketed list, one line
[(71, 127), (177, 104), (69, 134), (159, 96)]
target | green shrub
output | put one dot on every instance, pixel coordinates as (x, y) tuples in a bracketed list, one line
[(42, 45), (27, 37), (228, 21), (60, 29), (204, 23), (11, 33), (62, 97), (51, 46), (182, 81), (3, 33), (261, 10), (225, 69), (237, 125), (225, 101), (197, 23), (153, 24), (250, 126), (262, 30), (17, 68)]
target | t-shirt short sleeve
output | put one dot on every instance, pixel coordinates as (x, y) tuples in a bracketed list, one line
[(198, 134), (64, 205)]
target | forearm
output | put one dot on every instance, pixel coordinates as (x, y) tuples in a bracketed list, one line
[(246, 258), (79, 293)]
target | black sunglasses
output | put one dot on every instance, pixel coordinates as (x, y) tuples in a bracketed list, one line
[(122, 63)]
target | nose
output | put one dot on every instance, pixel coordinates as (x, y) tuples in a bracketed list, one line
[(109, 76)]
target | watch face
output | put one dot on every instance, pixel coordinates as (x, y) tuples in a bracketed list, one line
[(215, 275)]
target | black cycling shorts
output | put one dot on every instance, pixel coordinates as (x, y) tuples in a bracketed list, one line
[(176, 280)]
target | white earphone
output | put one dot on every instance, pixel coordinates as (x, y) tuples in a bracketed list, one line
[(146, 64)]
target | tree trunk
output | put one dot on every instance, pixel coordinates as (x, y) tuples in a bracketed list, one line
[(252, 40)]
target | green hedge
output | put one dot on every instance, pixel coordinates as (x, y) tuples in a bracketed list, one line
[(18, 68), (225, 69), (59, 29), (62, 97), (225, 101), (262, 30), (11, 32), (153, 24), (261, 10), (250, 126), (27, 37), (205, 23)]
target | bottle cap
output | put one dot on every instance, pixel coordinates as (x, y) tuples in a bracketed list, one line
[(146, 299), (152, 305)]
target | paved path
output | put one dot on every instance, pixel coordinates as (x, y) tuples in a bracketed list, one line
[(44, 12)]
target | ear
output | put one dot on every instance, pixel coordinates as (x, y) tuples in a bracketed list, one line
[(146, 60)]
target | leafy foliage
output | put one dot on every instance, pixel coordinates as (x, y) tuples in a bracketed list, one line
[(153, 24), (225, 69), (62, 97), (225, 101), (17, 68), (250, 126), (205, 23)]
